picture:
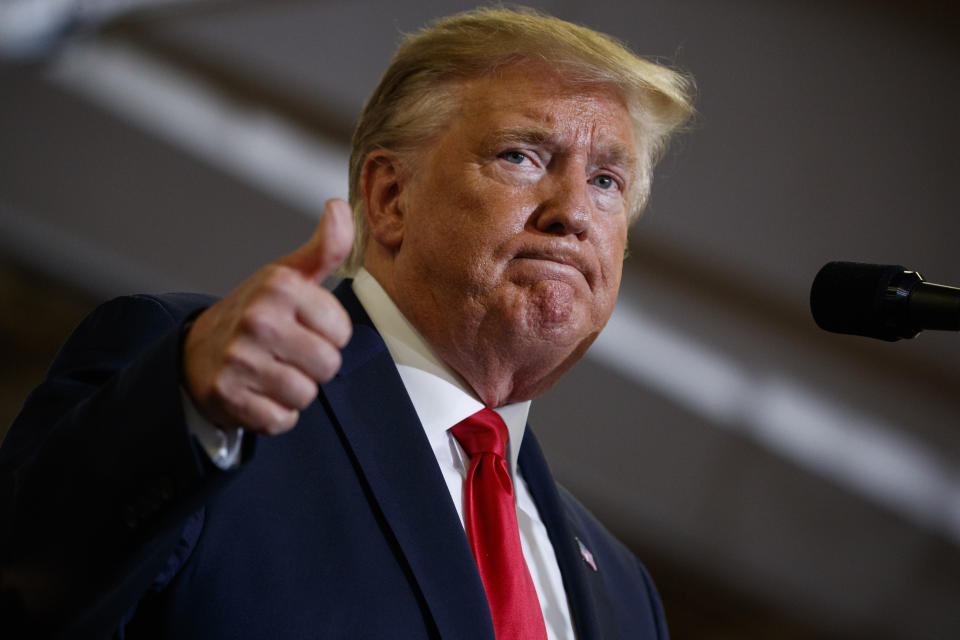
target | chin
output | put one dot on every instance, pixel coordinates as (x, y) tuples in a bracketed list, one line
[(554, 311)]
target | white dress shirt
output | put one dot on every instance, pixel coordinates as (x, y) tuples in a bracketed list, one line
[(441, 399)]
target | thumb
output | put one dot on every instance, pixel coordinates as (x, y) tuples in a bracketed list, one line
[(328, 246)]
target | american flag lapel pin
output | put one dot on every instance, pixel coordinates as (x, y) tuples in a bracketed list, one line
[(585, 554)]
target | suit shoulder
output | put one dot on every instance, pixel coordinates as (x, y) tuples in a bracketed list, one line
[(128, 322), (116, 332), (158, 308)]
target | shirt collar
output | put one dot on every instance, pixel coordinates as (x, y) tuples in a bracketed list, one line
[(440, 396)]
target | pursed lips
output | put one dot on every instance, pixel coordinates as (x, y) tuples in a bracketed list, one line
[(567, 259)]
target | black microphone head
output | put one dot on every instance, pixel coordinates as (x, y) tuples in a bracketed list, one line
[(862, 299)]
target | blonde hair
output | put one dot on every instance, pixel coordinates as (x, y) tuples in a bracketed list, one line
[(416, 96)]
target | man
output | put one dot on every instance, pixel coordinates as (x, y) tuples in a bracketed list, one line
[(287, 462)]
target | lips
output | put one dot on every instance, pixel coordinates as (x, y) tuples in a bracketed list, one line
[(565, 259)]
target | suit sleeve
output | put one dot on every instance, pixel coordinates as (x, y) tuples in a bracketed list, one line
[(98, 474)]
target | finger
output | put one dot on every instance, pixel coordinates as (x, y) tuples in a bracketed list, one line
[(328, 246), (261, 414), (321, 311), (314, 355), (253, 366), (284, 384)]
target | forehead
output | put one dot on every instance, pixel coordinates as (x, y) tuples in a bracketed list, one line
[(537, 97)]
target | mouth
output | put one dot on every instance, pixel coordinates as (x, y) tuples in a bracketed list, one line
[(554, 264)]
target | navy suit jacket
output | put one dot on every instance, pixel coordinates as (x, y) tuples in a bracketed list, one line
[(115, 523)]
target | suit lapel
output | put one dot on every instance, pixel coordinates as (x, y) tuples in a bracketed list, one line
[(381, 427), (586, 591)]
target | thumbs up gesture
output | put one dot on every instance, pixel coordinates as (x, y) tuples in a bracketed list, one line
[(255, 358)]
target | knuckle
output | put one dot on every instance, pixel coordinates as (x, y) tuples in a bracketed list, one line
[(346, 331), (259, 323), (280, 420), (221, 391), (298, 390), (310, 394), (237, 364), (328, 363), (304, 393), (337, 326), (281, 279), (260, 415), (233, 357), (330, 318)]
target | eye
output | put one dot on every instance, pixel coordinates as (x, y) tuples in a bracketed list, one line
[(603, 181), (513, 157)]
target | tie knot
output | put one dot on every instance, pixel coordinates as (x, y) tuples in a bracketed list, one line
[(483, 432)]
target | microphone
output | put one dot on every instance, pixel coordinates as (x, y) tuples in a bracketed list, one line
[(883, 301)]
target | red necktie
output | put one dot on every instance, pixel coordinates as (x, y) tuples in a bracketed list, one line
[(490, 518)]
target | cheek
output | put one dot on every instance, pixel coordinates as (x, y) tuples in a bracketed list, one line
[(434, 215), (612, 249), (484, 219)]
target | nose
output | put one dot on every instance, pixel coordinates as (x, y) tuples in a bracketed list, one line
[(565, 206)]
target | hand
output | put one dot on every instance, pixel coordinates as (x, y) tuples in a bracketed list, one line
[(255, 358)]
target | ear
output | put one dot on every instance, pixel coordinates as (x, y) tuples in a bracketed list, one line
[(381, 180)]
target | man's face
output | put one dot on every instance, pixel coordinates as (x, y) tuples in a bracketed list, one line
[(515, 220)]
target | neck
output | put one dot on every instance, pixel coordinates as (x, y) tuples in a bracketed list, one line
[(499, 367)]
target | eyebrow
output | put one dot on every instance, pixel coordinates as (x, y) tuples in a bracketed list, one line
[(619, 155), (615, 152), (524, 134)]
